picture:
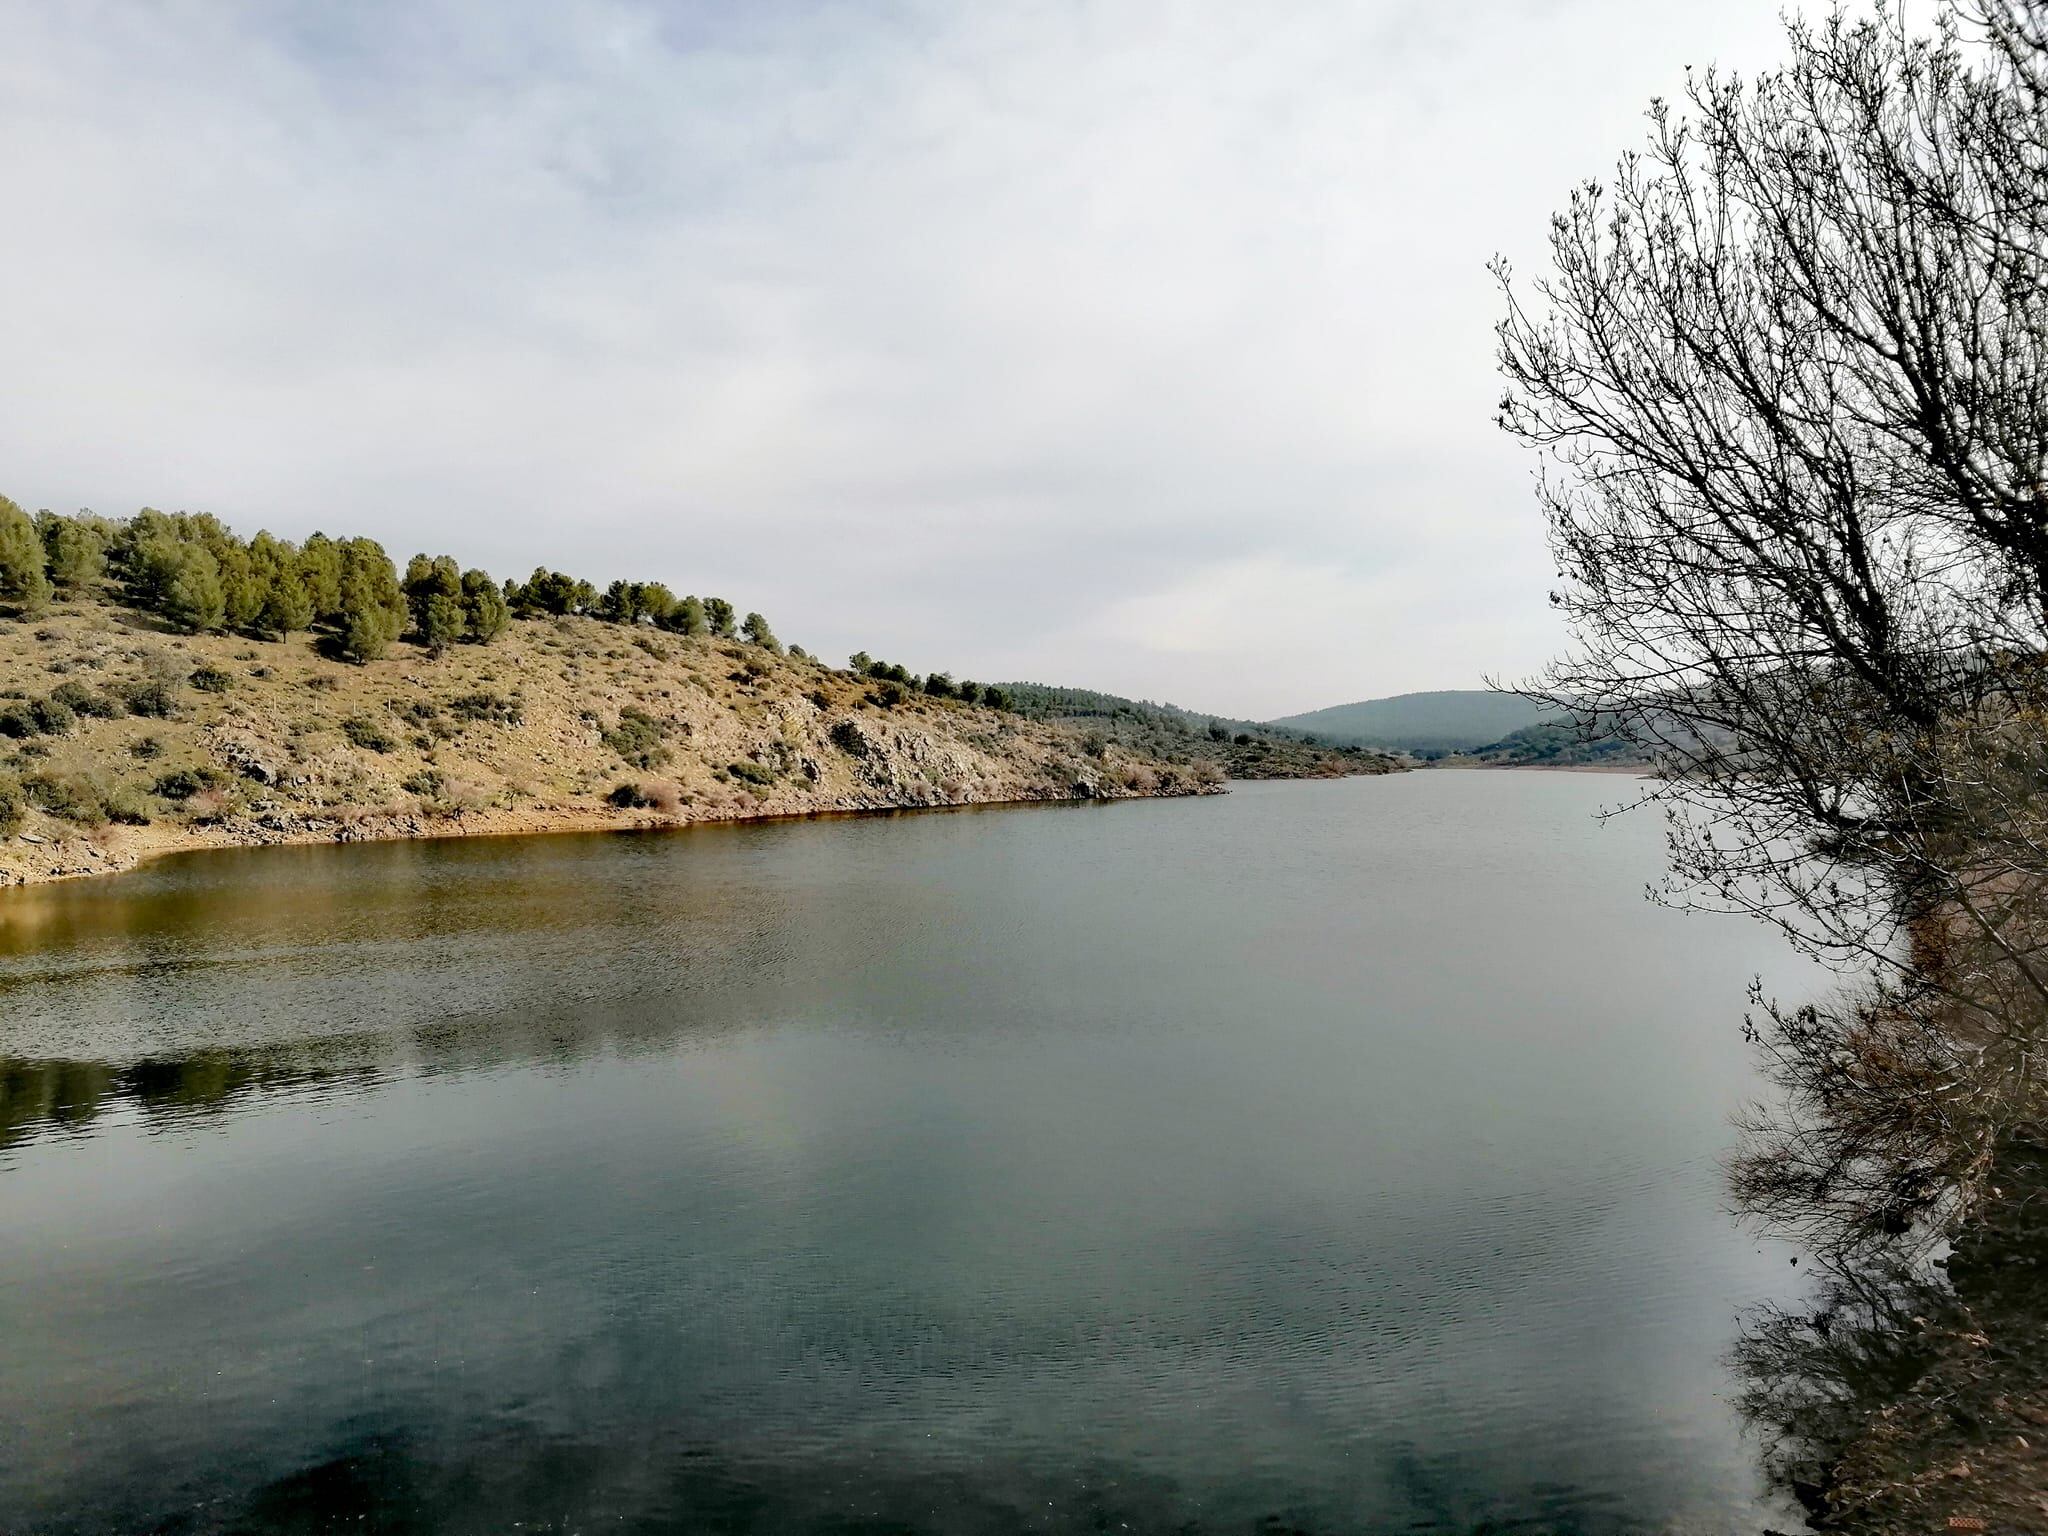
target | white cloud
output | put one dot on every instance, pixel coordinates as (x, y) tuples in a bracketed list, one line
[(1001, 337)]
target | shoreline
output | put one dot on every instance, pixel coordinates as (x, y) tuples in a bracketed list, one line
[(117, 850)]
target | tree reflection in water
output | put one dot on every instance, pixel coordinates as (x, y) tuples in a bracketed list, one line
[(1911, 1392)]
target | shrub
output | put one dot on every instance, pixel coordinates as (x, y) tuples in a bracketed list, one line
[(71, 796), (152, 699), (82, 700), (887, 695), (13, 803), (17, 723), (184, 783), (146, 748), (428, 783), (211, 805), (211, 680), (628, 796), (753, 773), (366, 734), (489, 707), (638, 738), (126, 805), (53, 717)]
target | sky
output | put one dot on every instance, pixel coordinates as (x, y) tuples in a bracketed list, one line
[(1143, 345)]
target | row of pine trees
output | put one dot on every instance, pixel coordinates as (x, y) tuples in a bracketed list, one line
[(194, 572)]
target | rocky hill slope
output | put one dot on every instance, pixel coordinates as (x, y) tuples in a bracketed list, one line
[(121, 739)]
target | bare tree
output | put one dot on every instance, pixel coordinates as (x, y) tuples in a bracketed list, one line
[(1790, 376)]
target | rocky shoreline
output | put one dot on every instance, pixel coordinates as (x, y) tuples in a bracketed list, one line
[(31, 859)]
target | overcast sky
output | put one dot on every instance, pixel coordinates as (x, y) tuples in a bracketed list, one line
[(1135, 344)]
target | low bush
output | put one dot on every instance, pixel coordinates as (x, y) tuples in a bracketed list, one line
[(184, 783), (13, 802), (17, 722), (211, 680), (629, 796), (423, 713), (753, 773), (52, 717), (366, 734), (637, 738), (152, 699), (427, 783), (72, 796), (127, 805), (488, 708), (82, 700)]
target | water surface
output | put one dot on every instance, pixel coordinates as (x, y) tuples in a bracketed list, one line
[(1327, 1157)]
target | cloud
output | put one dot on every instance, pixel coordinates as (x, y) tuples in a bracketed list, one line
[(969, 334)]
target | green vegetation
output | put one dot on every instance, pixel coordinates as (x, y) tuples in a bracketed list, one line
[(24, 563), (367, 734), (1424, 724), (462, 697), (197, 576), (1243, 749), (638, 738)]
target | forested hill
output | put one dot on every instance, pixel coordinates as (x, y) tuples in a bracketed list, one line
[(1243, 749), (167, 684), (1425, 724), (1465, 726)]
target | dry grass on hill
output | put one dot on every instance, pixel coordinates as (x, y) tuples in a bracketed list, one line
[(551, 726)]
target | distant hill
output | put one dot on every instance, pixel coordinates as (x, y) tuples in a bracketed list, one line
[(1424, 724), (1556, 745), (1243, 749)]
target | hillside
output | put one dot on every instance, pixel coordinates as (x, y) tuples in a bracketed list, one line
[(121, 738), (1241, 749), (1423, 724), (1553, 745)]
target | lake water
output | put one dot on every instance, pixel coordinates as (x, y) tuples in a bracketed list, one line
[(1330, 1157)]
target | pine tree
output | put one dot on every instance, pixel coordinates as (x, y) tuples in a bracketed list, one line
[(24, 566), (484, 609)]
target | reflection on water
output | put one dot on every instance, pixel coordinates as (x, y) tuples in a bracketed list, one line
[(1334, 1157), (1910, 1390)]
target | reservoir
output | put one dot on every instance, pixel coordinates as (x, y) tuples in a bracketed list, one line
[(1327, 1157)]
